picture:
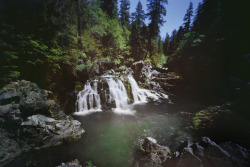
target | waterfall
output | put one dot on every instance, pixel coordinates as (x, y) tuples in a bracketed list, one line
[(88, 100), (140, 95), (118, 94)]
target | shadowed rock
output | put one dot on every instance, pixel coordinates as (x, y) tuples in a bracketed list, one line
[(30, 120)]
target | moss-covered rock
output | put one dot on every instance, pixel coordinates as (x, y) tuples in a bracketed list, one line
[(205, 118), (209, 117)]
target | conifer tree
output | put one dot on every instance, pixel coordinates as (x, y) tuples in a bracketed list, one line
[(138, 35), (124, 12), (110, 8), (188, 17), (156, 11), (166, 44), (139, 15)]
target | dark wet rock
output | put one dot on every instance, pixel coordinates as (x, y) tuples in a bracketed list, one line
[(5, 109), (54, 110), (239, 155), (9, 148), (227, 154), (151, 154), (202, 153), (33, 99), (137, 68), (8, 94), (32, 121), (207, 153), (188, 159), (104, 66)]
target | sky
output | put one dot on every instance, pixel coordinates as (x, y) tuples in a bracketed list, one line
[(176, 10)]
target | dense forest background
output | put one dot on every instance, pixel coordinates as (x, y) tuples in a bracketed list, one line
[(56, 43)]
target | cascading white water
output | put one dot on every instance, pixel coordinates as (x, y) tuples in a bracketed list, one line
[(119, 95), (140, 95), (88, 100)]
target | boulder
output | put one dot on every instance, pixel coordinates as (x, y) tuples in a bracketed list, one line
[(5, 109), (202, 153), (188, 159), (9, 96), (9, 148), (29, 120), (137, 68), (226, 154), (57, 131), (151, 154), (207, 153)]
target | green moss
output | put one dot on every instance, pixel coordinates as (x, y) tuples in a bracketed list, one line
[(128, 88), (196, 122), (79, 87), (5, 89), (73, 135), (141, 84), (203, 117)]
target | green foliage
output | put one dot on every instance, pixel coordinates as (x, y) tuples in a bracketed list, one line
[(122, 68), (117, 61), (90, 164), (159, 60), (80, 67), (73, 135), (148, 60)]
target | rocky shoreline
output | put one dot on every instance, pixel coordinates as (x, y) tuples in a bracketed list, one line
[(29, 120), (201, 153)]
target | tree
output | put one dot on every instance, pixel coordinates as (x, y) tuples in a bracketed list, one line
[(179, 35), (124, 12), (160, 44), (110, 8), (172, 43), (188, 17), (156, 11), (166, 44), (197, 17), (138, 34), (139, 15)]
